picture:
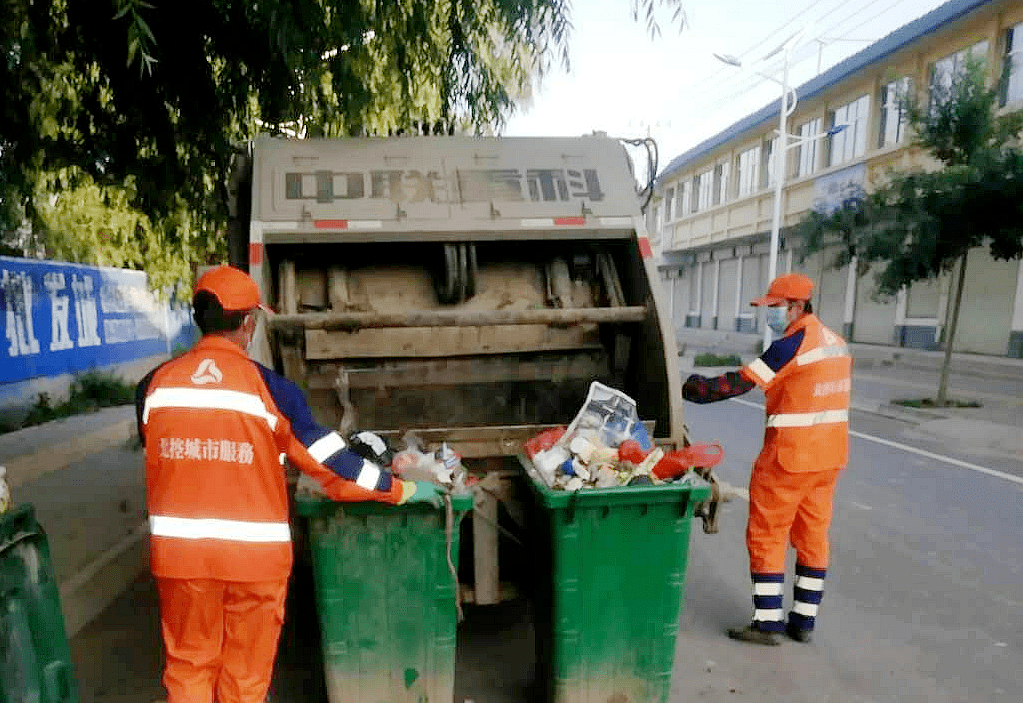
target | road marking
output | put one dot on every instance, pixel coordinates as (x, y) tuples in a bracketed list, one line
[(913, 450), (861, 506), (728, 491)]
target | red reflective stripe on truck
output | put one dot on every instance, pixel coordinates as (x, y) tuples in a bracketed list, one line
[(569, 220), (644, 248), (331, 224), (255, 254)]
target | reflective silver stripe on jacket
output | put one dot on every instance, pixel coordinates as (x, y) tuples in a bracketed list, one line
[(326, 446), (368, 475), (213, 528), (822, 417), (821, 353), (761, 370), (208, 399)]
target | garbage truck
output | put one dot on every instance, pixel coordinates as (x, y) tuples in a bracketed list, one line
[(468, 289)]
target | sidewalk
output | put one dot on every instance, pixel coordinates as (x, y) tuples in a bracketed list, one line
[(85, 478), (883, 375), (691, 341)]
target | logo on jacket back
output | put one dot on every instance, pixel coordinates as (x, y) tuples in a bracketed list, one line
[(207, 372)]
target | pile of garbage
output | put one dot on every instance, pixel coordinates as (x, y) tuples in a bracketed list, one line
[(442, 467), (607, 445), (413, 462)]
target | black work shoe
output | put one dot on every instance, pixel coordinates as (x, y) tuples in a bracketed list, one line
[(798, 634), (754, 635)]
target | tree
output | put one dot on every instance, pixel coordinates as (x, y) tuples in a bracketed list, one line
[(143, 104), (924, 222)]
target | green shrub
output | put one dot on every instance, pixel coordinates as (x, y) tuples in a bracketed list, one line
[(89, 392), (102, 389), (708, 359), (932, 403)]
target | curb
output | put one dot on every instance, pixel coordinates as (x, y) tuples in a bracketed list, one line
[(864, 354), (911, 415), (882, 409)]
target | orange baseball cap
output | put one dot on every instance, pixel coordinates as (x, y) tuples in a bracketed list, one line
[(234, 288), (791, 286)]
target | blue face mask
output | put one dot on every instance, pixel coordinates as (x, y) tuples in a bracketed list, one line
[(777, 318)]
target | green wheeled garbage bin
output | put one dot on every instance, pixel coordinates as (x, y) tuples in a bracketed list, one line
[(611, 592), (35, 658), (386, 581)]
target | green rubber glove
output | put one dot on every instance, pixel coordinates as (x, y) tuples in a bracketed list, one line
[(420, 492)]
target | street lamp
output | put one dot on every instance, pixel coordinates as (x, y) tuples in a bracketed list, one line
[(786, 108)]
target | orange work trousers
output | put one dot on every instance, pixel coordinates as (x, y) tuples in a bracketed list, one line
[(788, 506), (220, 638)]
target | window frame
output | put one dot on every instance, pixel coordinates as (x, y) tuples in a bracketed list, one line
[(808, 157), (720, 189), (748, 171), (767, 155), (892, 101), (684, 197), (851, 143), (703, 184), (958, 59), (1012, 66)]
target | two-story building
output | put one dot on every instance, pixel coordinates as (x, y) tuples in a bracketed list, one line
[(713, 208)]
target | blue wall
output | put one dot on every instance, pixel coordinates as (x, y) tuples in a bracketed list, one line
[(60, 319)]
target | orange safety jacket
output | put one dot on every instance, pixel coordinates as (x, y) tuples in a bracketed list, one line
[(216, 490), (807, 400)]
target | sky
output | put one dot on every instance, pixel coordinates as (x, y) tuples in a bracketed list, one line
[(627, 84)]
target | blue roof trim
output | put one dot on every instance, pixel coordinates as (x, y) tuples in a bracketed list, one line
[(899, 39)]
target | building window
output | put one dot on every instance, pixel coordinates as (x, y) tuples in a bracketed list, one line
[(1013, 66), (806, 160), (704, 190), (669, 198), (683, 198), (695, 288), (721, 183), (851, 142), (946, 68), (770, 147), (748, 167), (892, 129)]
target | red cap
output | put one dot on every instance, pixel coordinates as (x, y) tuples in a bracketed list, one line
[(233, 288), (791, 286)]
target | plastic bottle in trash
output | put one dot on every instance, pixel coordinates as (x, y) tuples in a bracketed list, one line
[(452, 464), (5, 492), (447, 456)]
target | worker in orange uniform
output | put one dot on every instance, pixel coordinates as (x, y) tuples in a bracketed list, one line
[(806, 378), (217, 427)]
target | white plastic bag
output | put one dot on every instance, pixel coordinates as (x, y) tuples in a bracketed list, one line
[(610, 417)]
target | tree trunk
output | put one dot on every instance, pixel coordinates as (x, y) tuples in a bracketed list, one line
[(951, 318)]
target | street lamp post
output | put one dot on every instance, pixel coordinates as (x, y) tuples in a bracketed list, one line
[(786, 108)]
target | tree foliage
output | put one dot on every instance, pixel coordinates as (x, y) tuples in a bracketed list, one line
[(919, 223), (143, 104), (923, 223)]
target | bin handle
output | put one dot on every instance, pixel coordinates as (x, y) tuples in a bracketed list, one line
[(683, 504), (573, 502)]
